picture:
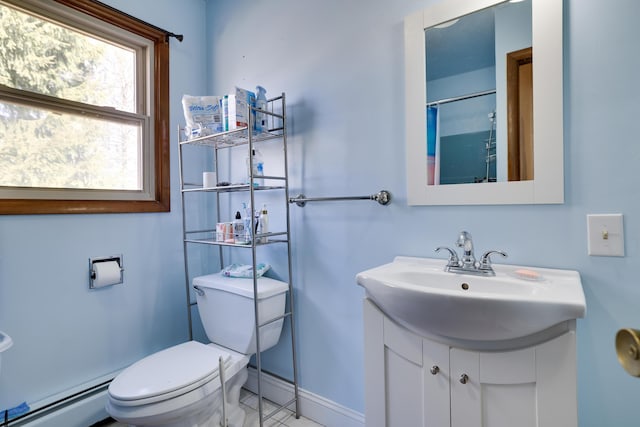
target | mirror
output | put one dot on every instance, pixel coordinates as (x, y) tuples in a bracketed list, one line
[(467, 136), (456, 96)]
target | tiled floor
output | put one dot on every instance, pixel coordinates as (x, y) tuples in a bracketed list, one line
[(284, 418), (249, 402)]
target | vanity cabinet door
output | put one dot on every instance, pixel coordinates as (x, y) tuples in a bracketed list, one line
[(393, 373), (493, 389), (406, 377), (465, 388), (436, 372), (556, 380), (531, 387)]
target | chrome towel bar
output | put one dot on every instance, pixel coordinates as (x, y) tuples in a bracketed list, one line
[(383, 197)]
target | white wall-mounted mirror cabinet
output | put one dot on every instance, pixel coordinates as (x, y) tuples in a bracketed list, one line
[(484, 115)]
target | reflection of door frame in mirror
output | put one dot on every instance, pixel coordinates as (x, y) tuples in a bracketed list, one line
[(547, 40), (520, 114)]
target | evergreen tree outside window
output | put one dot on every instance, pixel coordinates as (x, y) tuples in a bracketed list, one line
[(83, 110)]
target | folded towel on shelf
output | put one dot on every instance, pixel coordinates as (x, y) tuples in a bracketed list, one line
[(245, 270)]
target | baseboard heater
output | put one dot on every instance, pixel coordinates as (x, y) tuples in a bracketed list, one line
[(58, 403)]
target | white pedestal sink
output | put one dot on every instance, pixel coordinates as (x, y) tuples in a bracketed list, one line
[(517, 302), (5, 343)]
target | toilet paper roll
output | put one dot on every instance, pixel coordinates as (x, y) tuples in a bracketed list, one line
[(106, 273), (208, 179)]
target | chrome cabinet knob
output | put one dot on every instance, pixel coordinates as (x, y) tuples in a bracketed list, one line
[(434, 370), (464, 378)]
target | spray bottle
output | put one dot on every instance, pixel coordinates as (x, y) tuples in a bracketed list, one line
[(248, 223), (261, 105)]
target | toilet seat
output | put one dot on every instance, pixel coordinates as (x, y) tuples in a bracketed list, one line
[(170, 373), (175, 385)]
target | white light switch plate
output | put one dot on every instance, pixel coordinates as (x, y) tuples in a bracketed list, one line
[(605, 235)]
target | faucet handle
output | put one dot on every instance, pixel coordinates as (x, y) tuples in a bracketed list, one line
[(485, 261), (453, 256)]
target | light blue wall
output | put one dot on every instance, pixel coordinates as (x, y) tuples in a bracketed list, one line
[(341, 65), (65, 334)]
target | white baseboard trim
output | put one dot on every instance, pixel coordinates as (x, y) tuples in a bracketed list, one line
[(312, 406)]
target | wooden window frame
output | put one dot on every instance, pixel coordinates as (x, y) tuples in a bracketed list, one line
[(159, 122)]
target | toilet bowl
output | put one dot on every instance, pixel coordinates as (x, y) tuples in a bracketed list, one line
[(181, 386)]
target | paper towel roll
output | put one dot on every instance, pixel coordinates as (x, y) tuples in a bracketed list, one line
[(106, 273)]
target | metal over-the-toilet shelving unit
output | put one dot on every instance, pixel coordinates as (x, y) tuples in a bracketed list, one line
[(248, 137)]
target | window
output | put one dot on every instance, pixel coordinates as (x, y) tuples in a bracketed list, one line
[(84, 96)]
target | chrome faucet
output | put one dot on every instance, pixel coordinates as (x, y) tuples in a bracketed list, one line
[(466, 243), (468, 264)]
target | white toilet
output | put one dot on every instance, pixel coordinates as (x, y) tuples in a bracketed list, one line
[(180, 386)]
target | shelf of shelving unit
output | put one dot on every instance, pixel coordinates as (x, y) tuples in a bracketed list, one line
[(236, 137), (214, 242), (230, 139), (195, 188)]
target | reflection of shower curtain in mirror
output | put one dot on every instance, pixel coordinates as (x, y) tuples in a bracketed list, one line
[(433, 146)]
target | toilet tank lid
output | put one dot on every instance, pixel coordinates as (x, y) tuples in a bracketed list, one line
[(267, 287)]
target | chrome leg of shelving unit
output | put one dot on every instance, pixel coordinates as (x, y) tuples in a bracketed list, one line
[(291, 305), (184, 242)]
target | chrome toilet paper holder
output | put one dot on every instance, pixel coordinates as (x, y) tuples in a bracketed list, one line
[(92, 269)]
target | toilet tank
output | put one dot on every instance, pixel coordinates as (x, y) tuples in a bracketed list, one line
[(226, 309)]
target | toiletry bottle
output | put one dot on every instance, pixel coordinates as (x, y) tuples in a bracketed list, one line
[(261, 104), (238, 229), (258, 168), (225, 113), (263, 224), (248, 223)]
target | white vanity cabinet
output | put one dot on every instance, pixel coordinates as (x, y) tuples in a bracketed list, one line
[(416, 381)]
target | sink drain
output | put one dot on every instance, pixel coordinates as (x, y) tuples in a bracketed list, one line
[(465, 286)]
